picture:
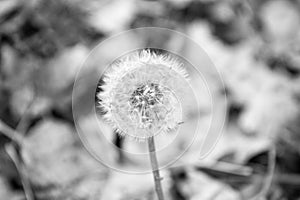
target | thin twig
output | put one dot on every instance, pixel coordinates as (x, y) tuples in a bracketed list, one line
[(10, 133), (155, 169), (11, 151), (17, 138), (268, 178)]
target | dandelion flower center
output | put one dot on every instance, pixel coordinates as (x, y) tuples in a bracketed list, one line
[(149, 107)]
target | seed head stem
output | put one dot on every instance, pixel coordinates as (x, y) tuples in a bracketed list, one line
[(155, 170)]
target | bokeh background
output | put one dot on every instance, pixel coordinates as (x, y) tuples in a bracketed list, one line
[(255, 44)]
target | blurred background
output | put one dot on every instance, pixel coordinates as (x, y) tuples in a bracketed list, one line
[(255, 44)]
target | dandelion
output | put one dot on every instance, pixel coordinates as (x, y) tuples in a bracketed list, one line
[(139, 98)]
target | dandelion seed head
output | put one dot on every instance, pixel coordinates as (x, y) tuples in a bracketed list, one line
[(140, 94)]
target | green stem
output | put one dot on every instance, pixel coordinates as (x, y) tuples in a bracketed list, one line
[(155, 170)]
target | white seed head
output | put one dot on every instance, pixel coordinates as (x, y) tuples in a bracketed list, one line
[(139, 94)]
